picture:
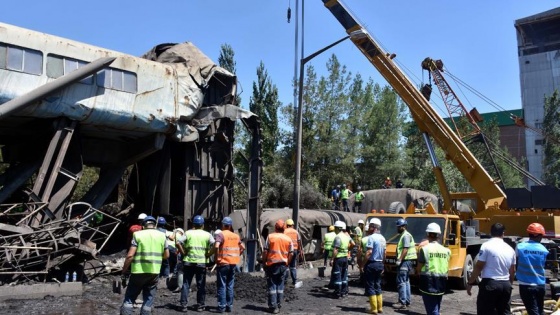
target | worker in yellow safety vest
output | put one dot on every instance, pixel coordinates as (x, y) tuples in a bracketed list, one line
[(358, 198), (328, 239), (148, 249), (433, 262), (406, 255), (341, 245), (344, 195), (196, 247)]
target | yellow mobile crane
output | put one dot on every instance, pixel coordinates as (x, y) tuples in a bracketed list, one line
[(488, 202)]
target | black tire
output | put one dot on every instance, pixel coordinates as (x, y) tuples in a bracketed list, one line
[(396, 207), (468, 268)]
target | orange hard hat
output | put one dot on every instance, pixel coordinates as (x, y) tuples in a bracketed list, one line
[(535, 229), (279, 225)]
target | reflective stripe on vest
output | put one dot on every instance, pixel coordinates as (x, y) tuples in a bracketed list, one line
[(278, 248), (433, 275), (329, 239), (197, 245), (411, 254), (359, 196), (229, 252), (344, 194), (344, 241), (293, 234), (149, 253), (530, 264)]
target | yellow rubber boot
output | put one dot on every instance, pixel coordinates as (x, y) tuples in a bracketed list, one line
[(373, 304), (379, 303)]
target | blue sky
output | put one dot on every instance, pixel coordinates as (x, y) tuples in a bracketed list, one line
[(476, 39)]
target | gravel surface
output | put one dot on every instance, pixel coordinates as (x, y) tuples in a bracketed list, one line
[(250, 291)]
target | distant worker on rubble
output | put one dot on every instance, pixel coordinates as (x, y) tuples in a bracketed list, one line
[(530, 270), (406, 255), (387, 183), (344, 195), (433, 262), (144, 258), (277, 254), (399, 184), (229, 249), (341, 245), (373, 266), (326, 246), (358, 198), (196, 249), (296, 241), (335, 197), (137, 226)]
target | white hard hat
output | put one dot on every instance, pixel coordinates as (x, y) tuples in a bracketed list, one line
[(340, 224), (375, 221), (142, 216), (218, 231), (360, 221), (179, 230), (433, 228)]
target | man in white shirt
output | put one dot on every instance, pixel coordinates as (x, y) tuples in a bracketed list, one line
[(496, 266)]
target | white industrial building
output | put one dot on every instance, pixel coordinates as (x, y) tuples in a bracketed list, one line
[(538, 41)]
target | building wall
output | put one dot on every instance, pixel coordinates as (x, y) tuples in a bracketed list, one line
[(513, 138), (539, 67)]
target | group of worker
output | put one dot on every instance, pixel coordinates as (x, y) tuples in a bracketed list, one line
[(495, 265), (150, 249), (339, 196)]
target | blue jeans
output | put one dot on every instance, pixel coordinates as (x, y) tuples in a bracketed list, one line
[(432, 303), (372, 273), (340, 272), (293, 266), (140, 282), (403, 281), (345, 205), (275, 276), (533, 298), (225, 280), (190, 271)]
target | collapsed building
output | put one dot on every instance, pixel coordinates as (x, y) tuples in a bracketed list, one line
[(156, 131)]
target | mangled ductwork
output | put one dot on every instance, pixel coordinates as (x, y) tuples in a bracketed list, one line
[(37, 250)]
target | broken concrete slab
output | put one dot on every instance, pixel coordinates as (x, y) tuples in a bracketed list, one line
[(39, 291)]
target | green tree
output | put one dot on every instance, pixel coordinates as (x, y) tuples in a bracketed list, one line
[(226, 59), (551, 128), (264, 103)]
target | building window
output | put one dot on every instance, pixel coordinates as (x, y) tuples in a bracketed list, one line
[(117, 80), (58, 66), (539, 142), (21, 59), (538, 125)]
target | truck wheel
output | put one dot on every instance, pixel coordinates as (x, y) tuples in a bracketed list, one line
[(396, 207), (468, 268)]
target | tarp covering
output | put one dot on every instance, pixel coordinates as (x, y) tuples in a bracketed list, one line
[(382, 198)]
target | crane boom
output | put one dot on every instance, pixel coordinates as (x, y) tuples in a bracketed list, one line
[(427, 119)]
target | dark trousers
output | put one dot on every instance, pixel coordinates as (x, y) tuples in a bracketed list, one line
[(345, 205), (140, 282), (190, 271), (275, 276), (357, 206), (372, 272), (325, 257), (340, 272), (533, 298), (493, 297), (293, 266), (432, 304)]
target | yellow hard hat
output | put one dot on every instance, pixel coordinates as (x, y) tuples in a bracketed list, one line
[(331, 228), (289, 222)]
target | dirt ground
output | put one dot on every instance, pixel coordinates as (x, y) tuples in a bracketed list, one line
[(250, 298)]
